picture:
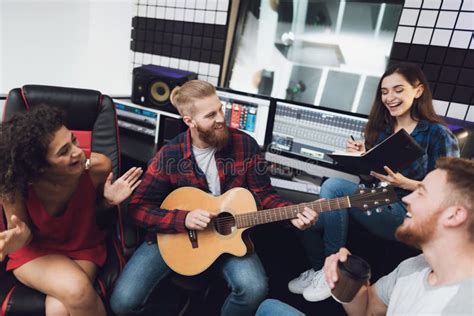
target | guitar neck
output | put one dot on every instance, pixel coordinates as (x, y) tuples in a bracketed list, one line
[(289, 212)]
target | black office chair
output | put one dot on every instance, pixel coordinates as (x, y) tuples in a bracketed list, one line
[(93, 115), (465, 136)]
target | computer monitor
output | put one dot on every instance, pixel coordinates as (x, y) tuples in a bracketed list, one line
[(307, 133), (248, 112)]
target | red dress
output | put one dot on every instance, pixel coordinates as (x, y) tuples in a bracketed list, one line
[(74, 233)]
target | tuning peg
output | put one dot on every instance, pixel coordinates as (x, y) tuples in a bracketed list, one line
[(368, 212), (378, 210)]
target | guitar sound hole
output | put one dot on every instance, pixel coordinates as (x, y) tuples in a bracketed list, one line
[(224, 222)]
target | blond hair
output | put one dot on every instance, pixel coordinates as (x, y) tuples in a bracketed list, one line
[(183, 97)]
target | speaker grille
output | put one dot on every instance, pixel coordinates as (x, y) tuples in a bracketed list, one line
[(159, 92)]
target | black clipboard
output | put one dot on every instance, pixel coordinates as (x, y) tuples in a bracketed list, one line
[(397, 152)]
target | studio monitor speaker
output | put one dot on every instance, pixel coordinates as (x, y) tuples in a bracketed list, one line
[(152, 85)]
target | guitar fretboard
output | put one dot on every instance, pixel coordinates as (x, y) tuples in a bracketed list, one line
[(288, 212)]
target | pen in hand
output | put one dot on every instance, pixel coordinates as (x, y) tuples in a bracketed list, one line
[(354, 143)]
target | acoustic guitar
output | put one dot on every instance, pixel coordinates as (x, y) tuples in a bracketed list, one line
[(193, 252)]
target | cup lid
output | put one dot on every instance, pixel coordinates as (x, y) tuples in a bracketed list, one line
[(355, 267)]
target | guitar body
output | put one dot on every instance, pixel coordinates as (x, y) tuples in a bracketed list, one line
[(178, 250)]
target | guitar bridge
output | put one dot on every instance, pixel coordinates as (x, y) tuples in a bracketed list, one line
[(192, 234)]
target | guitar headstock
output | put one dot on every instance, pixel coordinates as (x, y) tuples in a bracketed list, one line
[(369, 198)]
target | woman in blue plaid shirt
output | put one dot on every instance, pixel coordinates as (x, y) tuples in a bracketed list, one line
[(403, 100)]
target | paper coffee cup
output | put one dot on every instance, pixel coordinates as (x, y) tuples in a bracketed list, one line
[(352, 274)]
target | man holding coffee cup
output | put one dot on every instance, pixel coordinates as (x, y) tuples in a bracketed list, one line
[(440, 281), (440, 221)]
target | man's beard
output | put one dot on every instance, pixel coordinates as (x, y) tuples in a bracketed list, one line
[(214, 138), (417, 234)]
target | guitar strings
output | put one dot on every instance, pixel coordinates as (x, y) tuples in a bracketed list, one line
[(331, 203), (245, 216)]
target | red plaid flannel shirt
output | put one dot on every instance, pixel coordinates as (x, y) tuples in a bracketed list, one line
[(240, 164)]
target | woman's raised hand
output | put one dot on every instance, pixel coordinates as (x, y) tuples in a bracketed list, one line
[(396, 179), (115, 193), (14, 238)]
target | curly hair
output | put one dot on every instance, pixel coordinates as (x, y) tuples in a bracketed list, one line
[(24, 141)]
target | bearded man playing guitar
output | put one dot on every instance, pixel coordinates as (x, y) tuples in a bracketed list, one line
[(214, 159)]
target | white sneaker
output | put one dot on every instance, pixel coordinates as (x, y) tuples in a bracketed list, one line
[(298, 284), (318, 290)]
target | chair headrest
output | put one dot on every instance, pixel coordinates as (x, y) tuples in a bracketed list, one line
[(461, 134), (81, 106)]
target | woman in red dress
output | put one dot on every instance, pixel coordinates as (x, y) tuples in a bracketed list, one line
[(50, 191)]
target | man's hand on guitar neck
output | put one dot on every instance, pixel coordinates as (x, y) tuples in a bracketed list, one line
[(305, 219), (198, 219)]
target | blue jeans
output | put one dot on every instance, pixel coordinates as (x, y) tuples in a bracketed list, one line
[(245, 277), (329, 233), (271, 307)]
